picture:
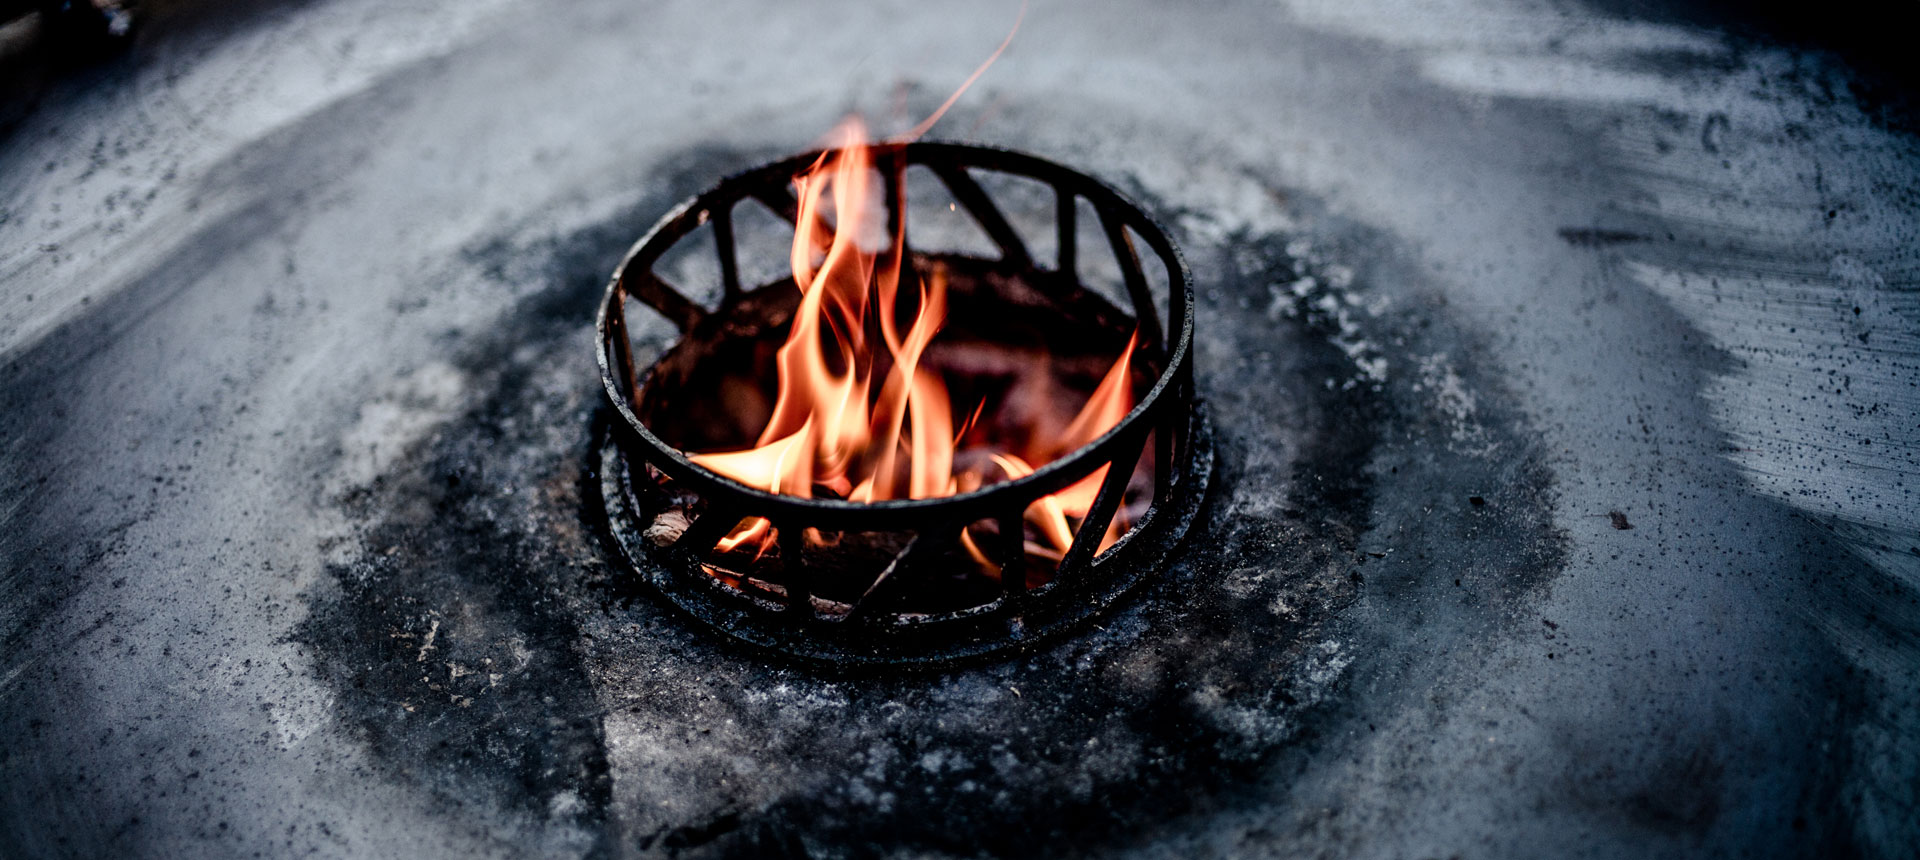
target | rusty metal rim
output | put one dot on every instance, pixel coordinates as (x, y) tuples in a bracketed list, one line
[(875, 630), (620, 381)]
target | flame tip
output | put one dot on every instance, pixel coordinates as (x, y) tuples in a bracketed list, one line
[(833, 430)]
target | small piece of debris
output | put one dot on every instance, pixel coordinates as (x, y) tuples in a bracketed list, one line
[(1476, 501), (432, 630), (1619, 520), (1016, 692)]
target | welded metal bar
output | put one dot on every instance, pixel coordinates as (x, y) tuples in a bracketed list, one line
[(1068, 256), (968, 192), (1011, 549), (893, 173), (1086, 542), (1181, 419), (1136, 279), (1179, 288), (728, 252), (622, 343), (794, 573), (706, 531), (780, 199), (683, 312), (1163, 459)]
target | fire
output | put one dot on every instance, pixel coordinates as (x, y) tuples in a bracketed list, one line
[(863, 418), (832, 427)]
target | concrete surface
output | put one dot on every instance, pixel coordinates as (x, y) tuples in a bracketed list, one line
[(295, 365)]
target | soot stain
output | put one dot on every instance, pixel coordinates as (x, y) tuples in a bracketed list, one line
[(1163, 712), (483, 647), (448, 641)]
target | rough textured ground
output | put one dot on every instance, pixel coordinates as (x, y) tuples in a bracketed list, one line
[(296, 390)]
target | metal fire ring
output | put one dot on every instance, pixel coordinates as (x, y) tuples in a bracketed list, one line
[(873, 632)]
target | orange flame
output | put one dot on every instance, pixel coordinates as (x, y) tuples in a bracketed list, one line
[(838, 430), (1108, 404)]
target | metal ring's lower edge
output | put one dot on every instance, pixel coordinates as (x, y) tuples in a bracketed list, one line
[(943, 644)]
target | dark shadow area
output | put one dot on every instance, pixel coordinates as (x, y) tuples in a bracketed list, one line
[(1865, 36), (48, 46)]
